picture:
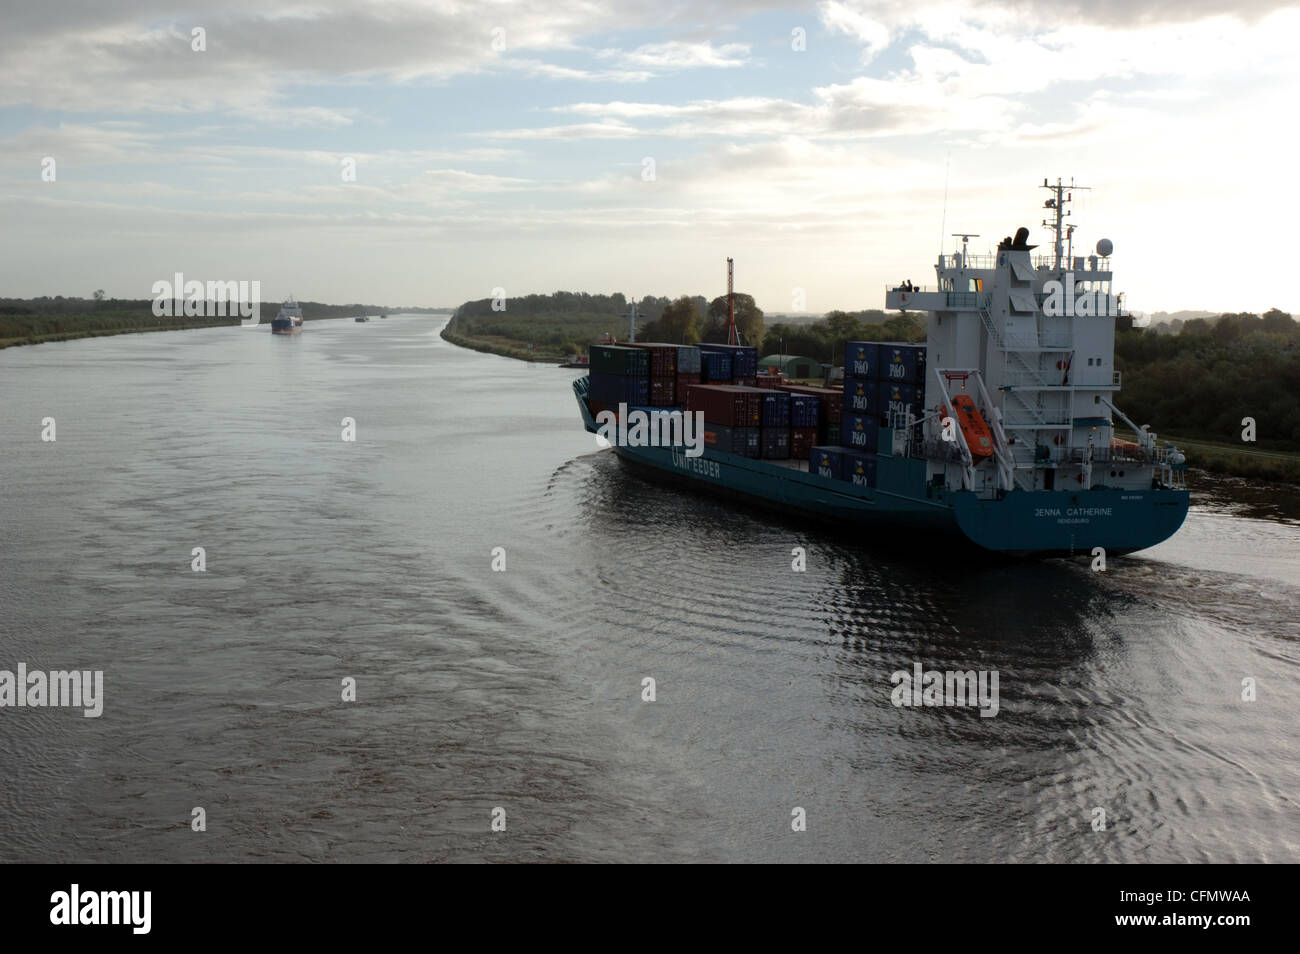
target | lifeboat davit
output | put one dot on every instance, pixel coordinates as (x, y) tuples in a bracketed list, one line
[(978, 437)]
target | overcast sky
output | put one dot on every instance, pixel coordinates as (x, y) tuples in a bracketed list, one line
[(510, 144)]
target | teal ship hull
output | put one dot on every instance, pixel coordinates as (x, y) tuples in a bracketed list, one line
[(1016, 523)]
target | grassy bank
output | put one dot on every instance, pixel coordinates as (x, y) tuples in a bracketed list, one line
[(1238, 460), (40, 320), (504, 346), (99, 330)]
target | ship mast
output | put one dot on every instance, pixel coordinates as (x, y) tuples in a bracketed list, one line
[(1057, 203), (732, 337)]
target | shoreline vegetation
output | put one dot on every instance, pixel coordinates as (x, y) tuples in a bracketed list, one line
[(44, 320), (1194, 381)]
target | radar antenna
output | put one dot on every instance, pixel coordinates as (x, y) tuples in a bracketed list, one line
[(965, 239)]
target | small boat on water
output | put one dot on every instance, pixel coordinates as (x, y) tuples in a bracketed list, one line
[(288, 321), (360, 318), (577, 361)]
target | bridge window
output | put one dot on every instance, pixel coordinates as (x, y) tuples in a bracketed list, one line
[(975, 284)]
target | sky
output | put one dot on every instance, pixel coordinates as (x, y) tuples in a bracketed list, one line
[(403, 152)]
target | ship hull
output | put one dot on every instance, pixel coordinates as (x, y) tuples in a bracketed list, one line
[(282, 327), (1020, 523)]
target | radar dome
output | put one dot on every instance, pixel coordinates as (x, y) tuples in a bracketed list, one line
[(1105, 247)]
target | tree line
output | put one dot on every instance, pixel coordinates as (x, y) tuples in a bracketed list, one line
[(31, 320), (1204, 379)]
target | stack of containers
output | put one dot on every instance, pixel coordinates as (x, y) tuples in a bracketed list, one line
[(744, 361), (843, 463), (830, 410), (688, 371), (901, 388), (860, 428), (775, 423), (663, 372), (768, 380), (732, 416), (619, 375), (804, 415)]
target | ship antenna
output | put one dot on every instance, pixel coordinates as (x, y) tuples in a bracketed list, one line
[(1057, 203), (732, 337), (943, 222)]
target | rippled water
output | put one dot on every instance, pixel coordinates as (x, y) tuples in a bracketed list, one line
[(477, 689)]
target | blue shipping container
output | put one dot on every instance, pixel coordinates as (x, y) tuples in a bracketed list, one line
[(900, 361), (775, 443), (860, 432), (860, 395), (715, 366), (827, 461), (744, 441), (688, 359), (616, 389), (776, 409), (897, 398), (860, 469), (744, 359), (804, 410), (860, 359)]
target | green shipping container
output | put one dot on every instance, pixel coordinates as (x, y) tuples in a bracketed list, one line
[(621, 360)]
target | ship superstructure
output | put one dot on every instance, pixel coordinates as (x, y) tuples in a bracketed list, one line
[(1031, 340)]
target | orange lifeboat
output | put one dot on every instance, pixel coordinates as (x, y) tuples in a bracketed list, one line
[(977, 434)]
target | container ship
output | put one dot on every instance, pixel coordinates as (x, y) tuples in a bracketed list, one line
[(998, 431), (288, 321)]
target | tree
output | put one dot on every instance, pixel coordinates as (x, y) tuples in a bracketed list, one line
[(749, 320), (99, 294), (676, 324), (842, 326)]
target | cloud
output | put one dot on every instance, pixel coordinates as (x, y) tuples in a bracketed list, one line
[(681, 55)]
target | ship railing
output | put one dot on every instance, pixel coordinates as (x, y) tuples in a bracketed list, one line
[(915, 289), (1048, 262), (986, 262), (1036, 415), (1033, 342), (987, 318), (1029, 378), (937, 449), (1111, 455)]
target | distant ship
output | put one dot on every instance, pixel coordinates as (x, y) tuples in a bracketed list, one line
[(360, 318), (289, 319), (1000, 428)]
